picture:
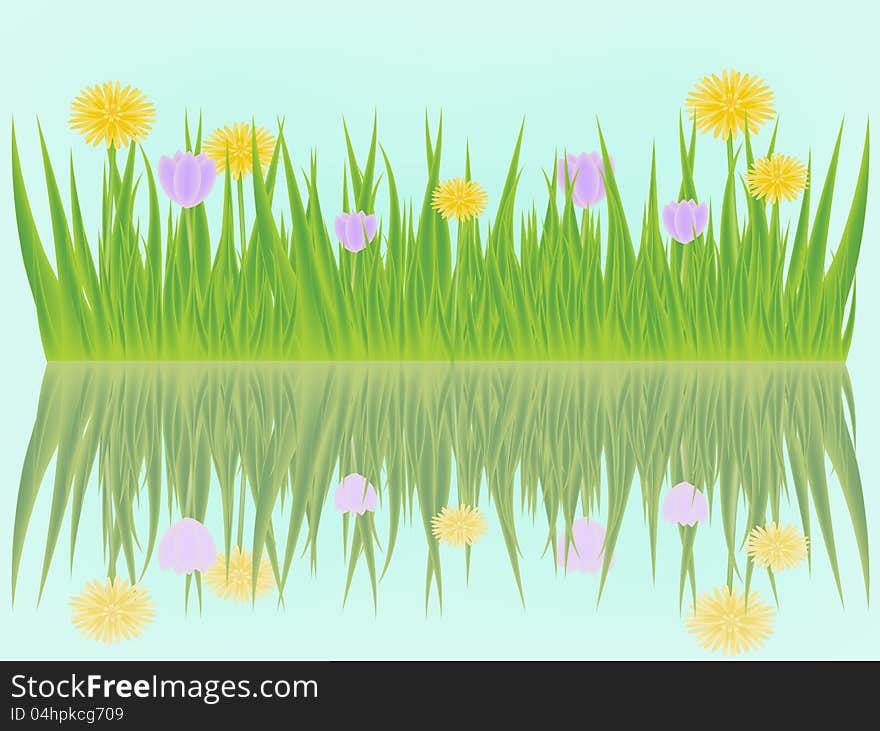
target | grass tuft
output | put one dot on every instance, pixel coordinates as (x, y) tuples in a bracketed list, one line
[(570, 285)]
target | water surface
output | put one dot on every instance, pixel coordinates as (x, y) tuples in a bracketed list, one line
[(119, 452)]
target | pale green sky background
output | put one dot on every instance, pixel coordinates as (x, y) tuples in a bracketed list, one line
[(485, 65)]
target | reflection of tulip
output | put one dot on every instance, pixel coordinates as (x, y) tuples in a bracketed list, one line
[(352, 497), (355, 230), (187, 178), (585, 175), (685, 220), (685, 505), (586, 552), (187, 546)]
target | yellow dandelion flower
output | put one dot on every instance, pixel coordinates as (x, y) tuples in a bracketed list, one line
[(113, 114), (238, 139), (458, 526), (777, 177), (236, 585), (777, 548), (459, 198), (722, 620), (111, 611), (723, 104)]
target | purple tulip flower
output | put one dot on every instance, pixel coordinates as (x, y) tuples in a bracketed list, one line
[(586, 552), (685, 220), (355, 495), (187, 178), (586, 176), (187, 546), (355, 230), (685, 505)]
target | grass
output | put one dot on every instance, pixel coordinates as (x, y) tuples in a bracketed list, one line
[(560, 285), (143, 444)]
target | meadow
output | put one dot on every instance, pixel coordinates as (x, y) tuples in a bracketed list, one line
[(564, 281)]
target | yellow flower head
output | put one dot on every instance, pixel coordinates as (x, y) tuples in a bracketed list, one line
[(458, 526), (112, 114), (723, 104), (777, 177), (237, 139), (459, 198), (777, 548), (722, 620), (236, 584), (111, 611)]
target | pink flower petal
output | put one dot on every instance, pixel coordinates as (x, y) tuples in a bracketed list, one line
[(586, 552), (354, 234), (187, 546), (355, 495), (166, 175), (588, 187), (339, 226), (370, 226), (187, 180), (669, 218), (207, 176), (684, 224), (685, 505), (701, 217)]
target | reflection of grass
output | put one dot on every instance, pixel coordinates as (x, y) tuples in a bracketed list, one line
[(555, 285), (569, 437)]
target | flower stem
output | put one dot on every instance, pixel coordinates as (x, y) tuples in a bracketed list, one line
[(188, 512), (241, 510), (241, 216), (190, 233), (112, 172)]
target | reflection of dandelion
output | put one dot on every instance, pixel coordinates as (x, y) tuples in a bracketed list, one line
[(237, 582), (459, 198), (459, 526), (112, 114), (721, 104), (112, 611), (777, 548), (721, 620), (238, 139)]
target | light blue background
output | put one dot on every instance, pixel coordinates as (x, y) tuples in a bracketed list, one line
[(485, 65)]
